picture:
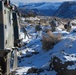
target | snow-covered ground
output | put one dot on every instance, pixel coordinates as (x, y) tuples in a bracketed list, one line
[(32, 54)]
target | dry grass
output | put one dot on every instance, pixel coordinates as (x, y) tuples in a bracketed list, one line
[(49, 41)]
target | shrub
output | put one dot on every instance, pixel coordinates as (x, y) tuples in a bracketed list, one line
[(58, 37), (50, 40), (47, 43)]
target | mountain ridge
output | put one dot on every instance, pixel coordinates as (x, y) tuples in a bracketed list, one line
[(43, 8), (58, 9), (67, 10)]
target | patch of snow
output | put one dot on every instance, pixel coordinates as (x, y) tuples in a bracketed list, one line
[(22, 70), (70, 58), (73, 67)]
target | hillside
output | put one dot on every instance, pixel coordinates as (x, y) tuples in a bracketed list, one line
[(34, 60), (66, 10)]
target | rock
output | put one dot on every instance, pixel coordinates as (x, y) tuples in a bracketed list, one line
[(32, 70), (61, 68), (35, 53)]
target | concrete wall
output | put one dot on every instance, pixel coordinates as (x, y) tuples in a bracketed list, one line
[(6, 27)]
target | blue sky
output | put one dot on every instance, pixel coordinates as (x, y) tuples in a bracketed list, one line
[(30, 1)]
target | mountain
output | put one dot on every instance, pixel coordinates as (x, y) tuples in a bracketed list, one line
[(43, 8), (66, 10), (18, 3)]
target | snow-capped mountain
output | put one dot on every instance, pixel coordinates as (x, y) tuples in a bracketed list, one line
[(41, 5), (67, 10), (43, 8), (59, 9)]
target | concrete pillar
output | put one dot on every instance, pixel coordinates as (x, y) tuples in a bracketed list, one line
[(8, 63), (15, 60)]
